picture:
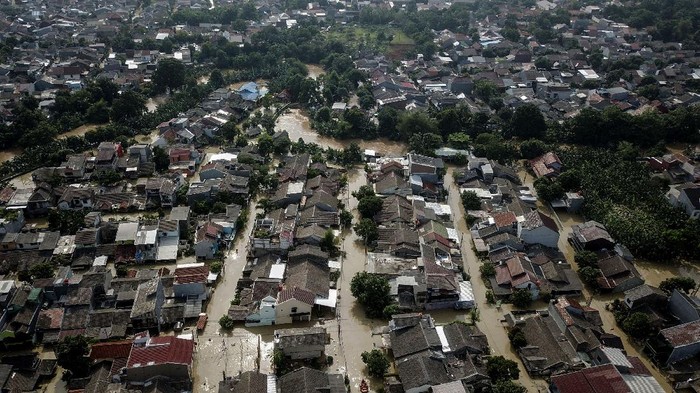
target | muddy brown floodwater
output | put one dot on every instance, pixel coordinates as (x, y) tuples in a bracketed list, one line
[(296, 123)]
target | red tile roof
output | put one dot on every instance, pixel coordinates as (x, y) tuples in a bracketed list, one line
[(601, 379), (162, 350), (112, 350), (186, 275), (297, 293), (504, 219)]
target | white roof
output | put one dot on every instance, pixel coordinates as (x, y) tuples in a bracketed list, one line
[(167, 249), (146, 237), (331, 301), (334, 264), (295, 188), (100, 261), (617, 357), (443, 339), (440, 209), (162, 36), (466, 293), (452, 234), (127, 231), (277, 270), (642, 383)]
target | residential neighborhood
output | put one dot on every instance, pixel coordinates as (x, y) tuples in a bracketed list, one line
[(413, 196)]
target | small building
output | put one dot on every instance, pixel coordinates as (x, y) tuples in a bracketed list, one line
[(677, 343), (539, 229), (294, 305), (592, 236), (163, 356), (302, 343)]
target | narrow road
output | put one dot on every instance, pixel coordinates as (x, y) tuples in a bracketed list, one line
[(490, 317)]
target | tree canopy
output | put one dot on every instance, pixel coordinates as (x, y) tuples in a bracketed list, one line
[(372, 292)]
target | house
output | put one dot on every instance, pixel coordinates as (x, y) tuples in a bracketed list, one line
[(429, 169), (689, 199), (546, 165), (19, 319), (293, 305), (538, 228), (605, 378), (308, 380), (645, 296), (302, 343), (165, 356), (618, 274), (148, 303), (208, 239), (263, 309), (547, 352), (512, 274), (247, 382), (684, 307), (592, 236), (191, 281), (108, 154), (74, 198), (676, 343), (251, 92)]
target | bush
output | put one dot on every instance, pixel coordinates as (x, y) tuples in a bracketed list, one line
[(471, 201), (586, 258), (226, 322), (215, 267)]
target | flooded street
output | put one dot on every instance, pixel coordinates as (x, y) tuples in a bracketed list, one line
[(220, 353), (355, 329), (489, 316)]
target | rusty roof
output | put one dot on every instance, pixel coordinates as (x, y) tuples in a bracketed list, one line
[(683, 334)]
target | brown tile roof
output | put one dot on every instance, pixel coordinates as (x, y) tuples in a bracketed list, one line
[(297, 293)]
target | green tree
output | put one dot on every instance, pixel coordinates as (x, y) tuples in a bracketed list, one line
[(637, 325), (517, 337), (41, 270), (329, 243), (458, 140), (499, 368), (487, 270), (376, 363), (169, 75), (265, 144), (415, 122), (372, 292), (521, 298), (128, 106), (543, 63), (586, 258), (548, 190), (226, 322), (161, 159), (216, 79), (363, 191), (471, 201), (66, 221), (388, 119), (528, 122), (685, 284), (589, 275), (508, 387), (367, 230), (425, 143), (532, 148), (369, 206), (485, 89), (345, 219), (390, 310), (71, 354)]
